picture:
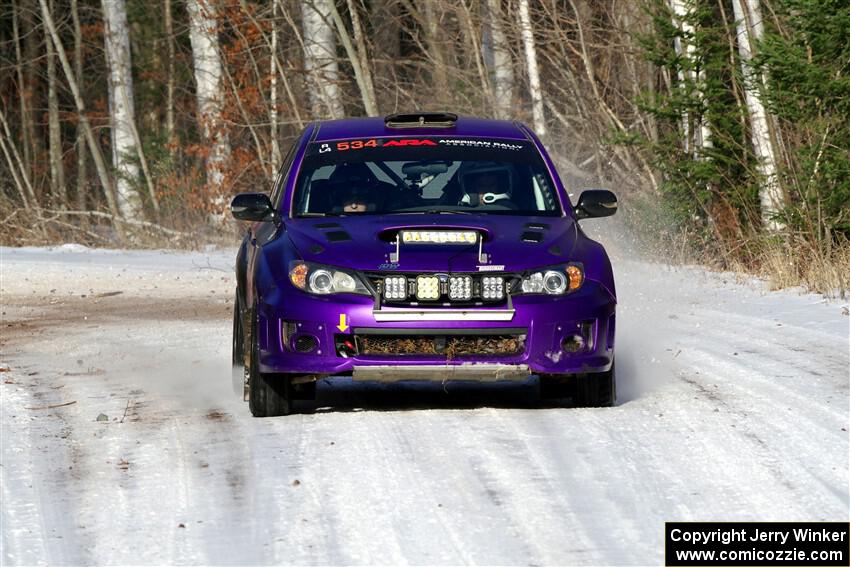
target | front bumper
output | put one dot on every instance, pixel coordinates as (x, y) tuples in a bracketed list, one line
[(542, 323)]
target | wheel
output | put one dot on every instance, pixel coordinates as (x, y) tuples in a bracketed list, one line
[(238, 352), (556, 386), (596, 389), (268, 394)]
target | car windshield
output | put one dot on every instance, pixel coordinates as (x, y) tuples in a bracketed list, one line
[(424, 175)]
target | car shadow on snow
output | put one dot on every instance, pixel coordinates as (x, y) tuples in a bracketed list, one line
[(346, 395)]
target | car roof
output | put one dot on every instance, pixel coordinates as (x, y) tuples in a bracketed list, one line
[(375, 127)]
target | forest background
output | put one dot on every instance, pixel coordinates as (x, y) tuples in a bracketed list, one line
[(723, 125)]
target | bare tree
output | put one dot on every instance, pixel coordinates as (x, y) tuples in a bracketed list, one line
[(750, 28), (320, 58), (58, 192), (203, 33), (533, 73), (121, 109), (429, 19), (32, 143), (273, 128), (358, 59), (695, 130), (498, 57), (80, 144), (385, 20), (365, 64), (169, 89), (23, 99), (17, 166), (94, 148)]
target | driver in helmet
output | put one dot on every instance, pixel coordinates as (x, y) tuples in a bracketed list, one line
[(353, 188), (486, 184)]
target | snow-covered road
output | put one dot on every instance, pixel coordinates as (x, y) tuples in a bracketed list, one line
[(733, 405)]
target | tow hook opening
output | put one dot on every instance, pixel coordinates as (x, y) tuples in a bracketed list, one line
[(346, 346)]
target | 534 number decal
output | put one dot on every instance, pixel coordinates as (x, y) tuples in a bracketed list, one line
[(356, 145)]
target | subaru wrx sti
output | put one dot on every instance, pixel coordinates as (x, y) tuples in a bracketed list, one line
[(421, 246)]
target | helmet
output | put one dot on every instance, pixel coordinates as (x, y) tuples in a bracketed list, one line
[(493, 181), (353, 182), (355, 174)]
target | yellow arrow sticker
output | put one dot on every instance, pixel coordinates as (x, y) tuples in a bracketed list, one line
[(342, 324)]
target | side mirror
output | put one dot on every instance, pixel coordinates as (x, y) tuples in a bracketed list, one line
[(252, 207), (595, 203)]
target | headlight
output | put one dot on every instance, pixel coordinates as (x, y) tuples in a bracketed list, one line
[(323, 280), (554, 282), (557, 280)]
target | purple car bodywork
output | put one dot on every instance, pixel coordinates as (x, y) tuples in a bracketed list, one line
[(513, 244)]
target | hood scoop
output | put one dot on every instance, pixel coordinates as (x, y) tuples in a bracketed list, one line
[(337, 236), (531, 236), (534, 232), (333, 231)]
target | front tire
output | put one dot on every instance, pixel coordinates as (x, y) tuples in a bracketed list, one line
[(594, 389), (268, 394), (238, 352)]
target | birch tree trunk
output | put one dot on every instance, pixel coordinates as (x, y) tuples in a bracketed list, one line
[(54, 133), (273, 130), (500, 59), (750, 28), (122, 114), (696, 132), (54, 136), (320, 59), (169, 89), (533, 73), (80, 145), (203, 33)]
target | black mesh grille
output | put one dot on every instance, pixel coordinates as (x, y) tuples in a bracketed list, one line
[(441, 345)]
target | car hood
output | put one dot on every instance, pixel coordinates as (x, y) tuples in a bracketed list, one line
[(512, 243)]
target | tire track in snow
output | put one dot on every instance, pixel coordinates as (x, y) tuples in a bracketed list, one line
[(747, 437)]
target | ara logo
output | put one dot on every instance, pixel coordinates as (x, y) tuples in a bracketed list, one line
[(410, 143)]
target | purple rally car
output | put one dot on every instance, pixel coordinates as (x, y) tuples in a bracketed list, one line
[(421, 246)]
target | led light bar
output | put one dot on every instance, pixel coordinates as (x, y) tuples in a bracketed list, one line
[(427, 287), (439, 236), (460, 287), (395, 287), (492, 287)]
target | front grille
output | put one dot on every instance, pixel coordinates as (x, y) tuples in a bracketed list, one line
[(449, 346)]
